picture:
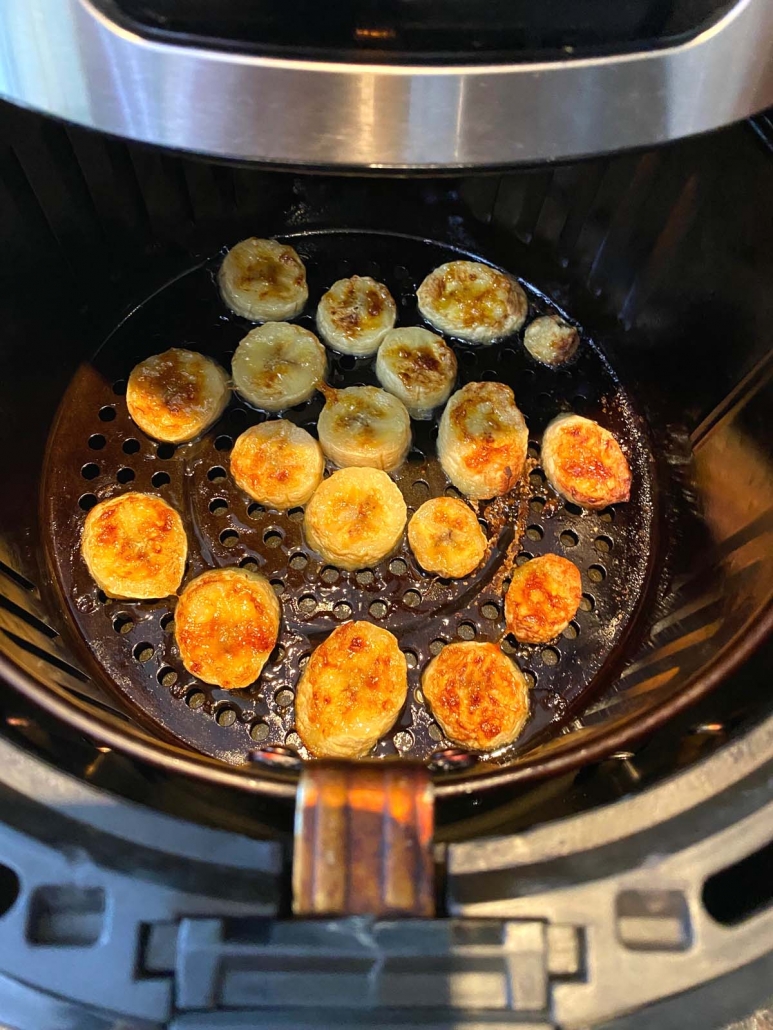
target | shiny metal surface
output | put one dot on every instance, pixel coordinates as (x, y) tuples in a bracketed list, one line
[(68, 59)]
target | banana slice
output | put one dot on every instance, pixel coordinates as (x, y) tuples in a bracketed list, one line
[(584, 462), (351, 691), (263, 280), (482, 440), (542, 599), (418, 367), (472, 301), (226, 624), (135, 547), (364, 426), (551, 340), (446, 538), (177, 395), (278, 365), (354, 315), (277, 463), (355, 518), (479, 697)]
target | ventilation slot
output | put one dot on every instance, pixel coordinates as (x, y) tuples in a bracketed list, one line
[(733, 894)]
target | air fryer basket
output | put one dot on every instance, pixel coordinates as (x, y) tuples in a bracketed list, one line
[(662, 257)]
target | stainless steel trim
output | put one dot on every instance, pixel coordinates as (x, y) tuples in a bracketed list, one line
[(68, 59)]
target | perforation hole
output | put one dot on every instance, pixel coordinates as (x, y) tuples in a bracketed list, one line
[(597, 573), (603, 544), (255, 511), (398, 567), (537, 504), (90, 471), (216, 474), (377, 609), (167, 622), (87, 501), (279, 587), (130, 446), (572, 631), (490, 611), (572, 508), (97, 442), (195, 699), (229, 538), (607, 515), (160, 479), (436, 646), (225, 715), (273, 538), (107, 414), (435, 732), (330, 575), (219, 506), (569, 539), (411, 659), (124, 475), (533, 450), (587, 603), (365, 578), (165, 451), (343, 610), (278, 655), (249, 565), (522, 557), (531, 679), (466, 631), (119, 387), (509, 644), (298, 561), (549, 656), (167, 677), (411, 598), (307, 605), (223, 442), (295, 514), (421, 488), (259, 732), (143, 652), (347, 362), (451, 491), (537, 478), (534, 533), (123, 623)]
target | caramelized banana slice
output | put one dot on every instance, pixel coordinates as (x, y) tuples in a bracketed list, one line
[(177, 395), (482, 440), (551, 340), (418, 367), (364, 426), (263, 280), (135, 547), (472, 301), (585, 463), (542, 599), (354, 315), (278, 464), (351, 691), (278, 365), (478, 696), (226, 624), (446, 537), (355, 518)]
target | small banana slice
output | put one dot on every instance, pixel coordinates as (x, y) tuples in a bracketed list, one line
[(551, 340), (542, 599), (278, 365), (135, 547), (364, 426), (277, 463), (351, 691), (177, 395), (482, 440), (355, 518), (472, 301), (446, 538), (263, 280), (585, 463), (226, 624), (418, 367), (354, 315), (479, 697)]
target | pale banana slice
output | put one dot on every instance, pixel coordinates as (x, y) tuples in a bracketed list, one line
[(177, 395), (551, 340), (364, 426), (482, 440), (263, 280), (418, 367), (354, 315), (278, 365), (472, 301), (278, 464), (351, 691), (355, 518), (446, 538)]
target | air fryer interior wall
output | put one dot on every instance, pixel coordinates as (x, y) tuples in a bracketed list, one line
[(665, 258)]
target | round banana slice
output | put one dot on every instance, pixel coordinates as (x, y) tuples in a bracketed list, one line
[(585, 463), (446, 538), (355, 518), (351, 691), (278, 464), (482, 440), (418, 367), (226, 624), (551, 340), (278, 365), (479, 697), (364, 426), (542, 599), (177, 395), (263, 280), (472, 301), (354, 315), (135, 547)]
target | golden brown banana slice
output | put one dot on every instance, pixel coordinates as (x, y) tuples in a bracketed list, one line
[(585, 463), (354, 315), (277, 463), (226, 624), (542, 599), (355, 518), (177, 395), (135, 547), (551, 340), (472, 301), (482, 440), (263, 280), (418, 367), (351, 691), (446, 537), (478, 696), (364, 426), (278, 365)]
